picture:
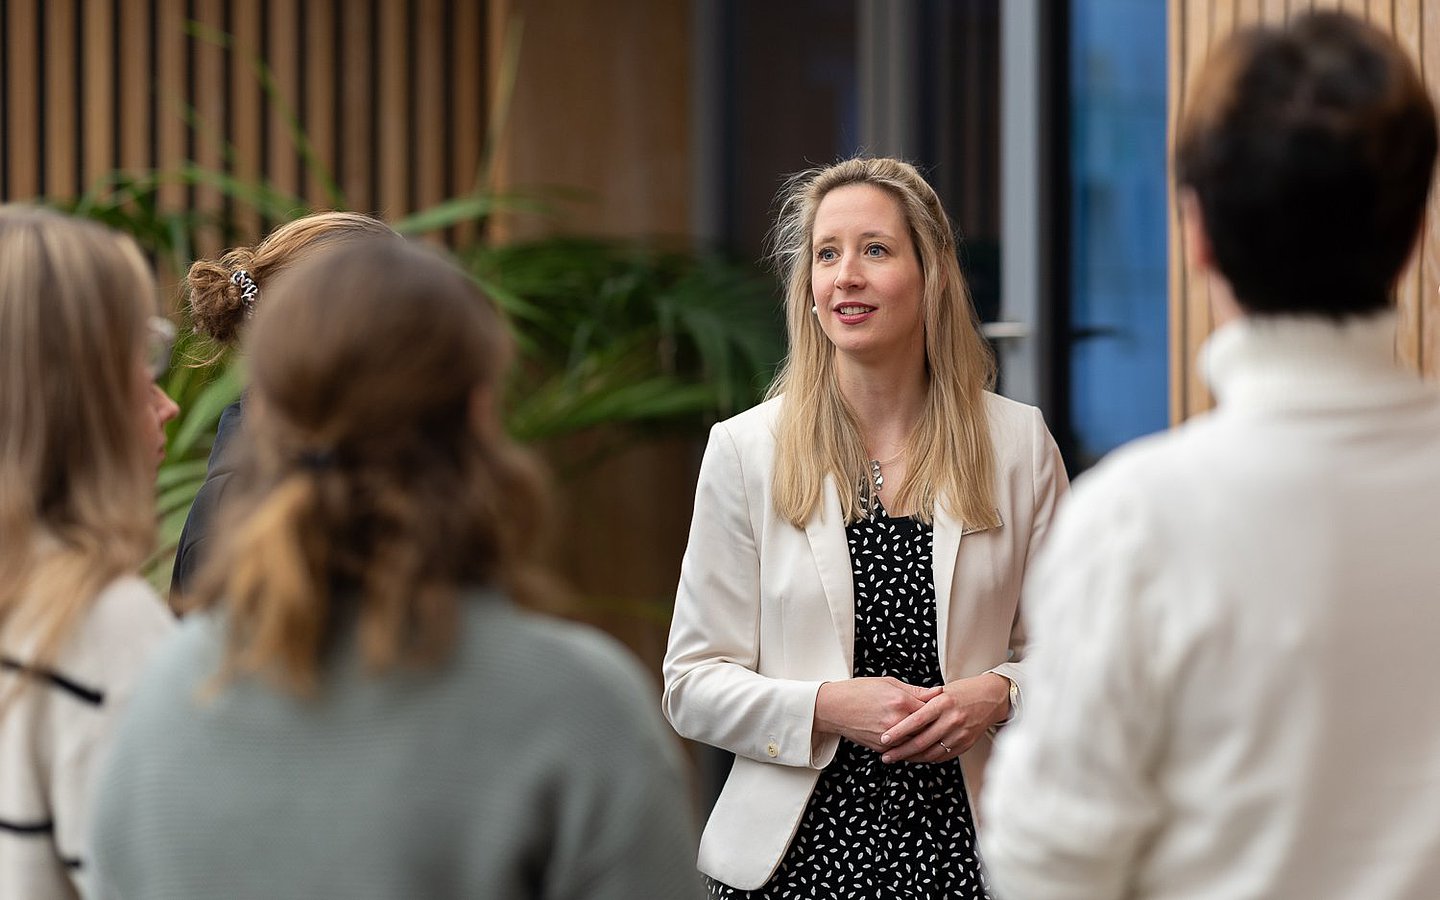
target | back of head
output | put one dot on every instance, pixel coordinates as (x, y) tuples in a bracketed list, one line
[(1310, 150), (75, 473), (381, 482), (223, 293)]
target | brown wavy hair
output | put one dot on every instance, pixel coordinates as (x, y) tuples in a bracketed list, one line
[(76, 478), (953, 459), (379, 484), (217, 309)]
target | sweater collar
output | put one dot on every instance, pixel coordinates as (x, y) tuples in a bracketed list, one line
[(1288, 362)]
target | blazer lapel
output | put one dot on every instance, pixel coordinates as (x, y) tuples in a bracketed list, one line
[(826, 531), (943, 554), (944, 557)]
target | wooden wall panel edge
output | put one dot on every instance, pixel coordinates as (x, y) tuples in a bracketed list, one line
[(1175, 66)]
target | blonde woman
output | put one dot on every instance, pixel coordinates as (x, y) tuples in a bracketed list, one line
[(80, 435), (368, 713), (223, 294), (847, 617)]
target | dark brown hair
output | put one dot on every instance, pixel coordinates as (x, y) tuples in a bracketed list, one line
[(217, 307), (1310, 150), (380, 483)]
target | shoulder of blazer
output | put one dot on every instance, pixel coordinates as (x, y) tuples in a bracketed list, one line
[(1014, 426), (754, 429)]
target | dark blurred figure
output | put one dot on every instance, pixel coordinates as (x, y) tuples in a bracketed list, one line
[(365, 711), (223, 295), (1236, 622)]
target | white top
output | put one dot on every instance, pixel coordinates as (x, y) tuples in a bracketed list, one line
[(55, 732), (1234, 632)]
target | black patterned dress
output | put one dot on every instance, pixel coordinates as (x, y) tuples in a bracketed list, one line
[(874, 831)]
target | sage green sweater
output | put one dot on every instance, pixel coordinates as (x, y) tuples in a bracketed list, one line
[(533, 764)]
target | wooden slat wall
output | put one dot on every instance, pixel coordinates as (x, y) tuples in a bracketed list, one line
[(1195, 27), (391, 93)]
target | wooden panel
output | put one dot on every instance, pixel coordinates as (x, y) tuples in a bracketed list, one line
[(393, 158), (1408, 293), (629, 99), (467, 103), (282, 55), (99, 112), (1428, 310), (428, 101), (241, 120), (321, 106), (1178, 282), (172, 97), (1381, 14), (22, 101), (1274, 12), (139, 96), (61, 124), (358, 104)]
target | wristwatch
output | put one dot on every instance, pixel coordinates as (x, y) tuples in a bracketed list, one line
[(1014, 699)]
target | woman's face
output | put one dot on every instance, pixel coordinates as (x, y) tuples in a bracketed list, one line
[(865, 276), (156, 407)]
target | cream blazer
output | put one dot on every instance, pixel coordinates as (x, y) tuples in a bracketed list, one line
[(765, 614)]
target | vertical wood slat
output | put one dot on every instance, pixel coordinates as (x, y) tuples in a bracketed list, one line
[(358, 106), (467, 104), (22, 102), (393, 159), (1408, 292), (1175, 69), (140, 100), (171, 97), (281, 158), (60, 109), (1428, 309), (99, 75), (428, 101), (1381, 14), (240, 121), (1195, 317), (320, 90), (208, 101), (1273, 12)]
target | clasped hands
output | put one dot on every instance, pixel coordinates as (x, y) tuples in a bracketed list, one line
[(905, 723)]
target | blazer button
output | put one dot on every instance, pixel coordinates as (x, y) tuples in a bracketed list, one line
[(773, 749)]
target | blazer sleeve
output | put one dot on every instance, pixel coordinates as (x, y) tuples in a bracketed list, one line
[(1049, 484), (713, 690)]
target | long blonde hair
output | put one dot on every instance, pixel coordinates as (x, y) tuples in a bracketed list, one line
[(380, 483), (951, 458), (76, 479)]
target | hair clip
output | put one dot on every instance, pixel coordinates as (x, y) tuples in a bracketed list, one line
[(249, 290)]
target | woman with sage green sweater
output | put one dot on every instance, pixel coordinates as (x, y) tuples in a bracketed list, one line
[(364, 709)]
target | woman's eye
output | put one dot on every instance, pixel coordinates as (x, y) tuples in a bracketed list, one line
[(825, 255), (874, 250)]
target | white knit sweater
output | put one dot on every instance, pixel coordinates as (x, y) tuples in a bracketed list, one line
[(54, 734)]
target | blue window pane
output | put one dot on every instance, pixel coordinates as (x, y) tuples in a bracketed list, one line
[(1118, 315)]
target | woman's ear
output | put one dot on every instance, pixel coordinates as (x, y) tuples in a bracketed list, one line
[(1200, 253), (1198, 249)]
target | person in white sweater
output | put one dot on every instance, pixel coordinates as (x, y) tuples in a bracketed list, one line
[(1234, 624), (362, 708), (81, 431)]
